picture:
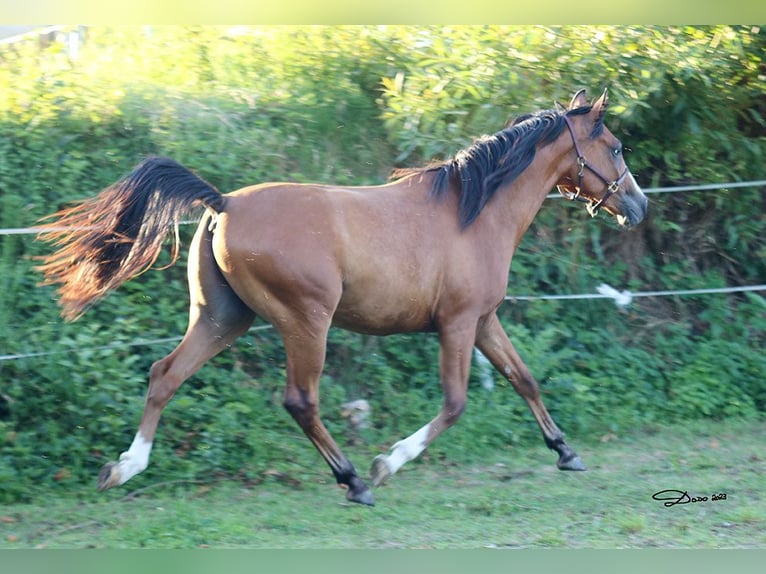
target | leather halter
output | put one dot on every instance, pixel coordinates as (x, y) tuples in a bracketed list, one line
[(582, 164)]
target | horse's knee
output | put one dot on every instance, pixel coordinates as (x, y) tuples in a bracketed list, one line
[(526, 386), (300, 406)]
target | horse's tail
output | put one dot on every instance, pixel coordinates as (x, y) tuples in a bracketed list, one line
[(108, 239)]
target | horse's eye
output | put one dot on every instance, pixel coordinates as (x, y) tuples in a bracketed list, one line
[(617, 151)]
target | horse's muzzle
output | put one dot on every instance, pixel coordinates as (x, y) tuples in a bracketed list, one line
[(633, 208)]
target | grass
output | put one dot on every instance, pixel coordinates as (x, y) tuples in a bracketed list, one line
[(516, 499)]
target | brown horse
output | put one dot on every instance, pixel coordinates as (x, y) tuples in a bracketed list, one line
[(429, 251)]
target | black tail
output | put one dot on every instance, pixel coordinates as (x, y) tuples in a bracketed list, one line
[(106, 240)]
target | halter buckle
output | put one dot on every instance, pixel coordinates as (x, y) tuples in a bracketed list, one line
[(582, 164)]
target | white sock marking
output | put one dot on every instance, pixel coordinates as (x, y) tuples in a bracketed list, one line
[(407, 449), (135, 459)]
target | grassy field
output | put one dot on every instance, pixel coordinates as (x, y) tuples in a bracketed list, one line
[(515, 500)]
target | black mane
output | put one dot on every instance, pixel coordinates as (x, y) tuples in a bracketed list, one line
[(493, 161)]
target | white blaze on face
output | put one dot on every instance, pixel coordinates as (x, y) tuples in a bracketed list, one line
[(633, 184), (135, 459), (639, 200), (407, 449)]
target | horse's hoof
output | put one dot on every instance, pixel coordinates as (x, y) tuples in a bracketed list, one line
[(359, 492), (572, 463), (109, 476), (363, 496), (379, 473)]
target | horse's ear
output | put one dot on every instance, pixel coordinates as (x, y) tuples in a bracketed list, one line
[(578, 100), (601, 103), (561, 108), (599, 108)]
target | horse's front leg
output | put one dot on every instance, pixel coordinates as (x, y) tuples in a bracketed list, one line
[(492, 340), (456, 344), (305, 348)]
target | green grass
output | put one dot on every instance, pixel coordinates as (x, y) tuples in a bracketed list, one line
[(517, 499)]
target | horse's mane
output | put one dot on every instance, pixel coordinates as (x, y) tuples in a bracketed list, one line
[(493, 161)]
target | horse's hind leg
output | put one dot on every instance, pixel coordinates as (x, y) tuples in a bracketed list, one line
[(494, 343), (216, 318)]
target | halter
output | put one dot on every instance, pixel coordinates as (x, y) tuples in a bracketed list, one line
[(582, 164)]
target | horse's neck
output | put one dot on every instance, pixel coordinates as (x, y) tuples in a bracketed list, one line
[(516, 206)]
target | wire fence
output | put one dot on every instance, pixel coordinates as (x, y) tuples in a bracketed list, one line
[(695, 187), (625, 298), (621, 299), (603, 291), (110, 347)]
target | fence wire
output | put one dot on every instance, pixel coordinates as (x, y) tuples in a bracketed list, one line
[(697, 187)]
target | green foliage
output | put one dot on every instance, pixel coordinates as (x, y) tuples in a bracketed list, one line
[(344, 105)]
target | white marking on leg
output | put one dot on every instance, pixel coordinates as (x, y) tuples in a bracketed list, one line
[(135, 459), (407, 449)]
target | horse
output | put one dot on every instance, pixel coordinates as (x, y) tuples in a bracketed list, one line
[(427, 251)]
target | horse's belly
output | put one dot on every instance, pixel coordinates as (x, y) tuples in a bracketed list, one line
[(383, 314)]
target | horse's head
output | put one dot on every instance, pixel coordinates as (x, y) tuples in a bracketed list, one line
[(599, 175)]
